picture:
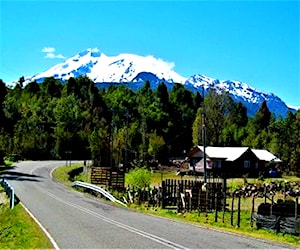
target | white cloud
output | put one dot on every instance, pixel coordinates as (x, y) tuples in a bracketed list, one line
[(60, 56), (48, 50), (49, 53)]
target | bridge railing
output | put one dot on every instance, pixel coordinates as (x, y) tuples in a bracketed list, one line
[(97, 189), (10, 191)]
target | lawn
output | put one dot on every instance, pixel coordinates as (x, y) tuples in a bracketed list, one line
[(18, 230)]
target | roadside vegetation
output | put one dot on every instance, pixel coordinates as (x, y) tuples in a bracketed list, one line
[(18, 230)]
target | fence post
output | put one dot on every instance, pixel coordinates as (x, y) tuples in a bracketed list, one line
[(296, 208), (224, 206), (265, 193), (216, 207), (232, 205), (178, 201), (272, 203), (163, 188), (199, 197), (252, 210), (206, 204), (239, 211), (284, 192)]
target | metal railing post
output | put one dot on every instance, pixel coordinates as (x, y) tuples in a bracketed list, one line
[(9, 190)]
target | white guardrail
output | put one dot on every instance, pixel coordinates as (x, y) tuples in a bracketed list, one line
[(97, 189), (9, 190)]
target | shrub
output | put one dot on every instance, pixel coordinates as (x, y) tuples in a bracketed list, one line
[(139, 178)]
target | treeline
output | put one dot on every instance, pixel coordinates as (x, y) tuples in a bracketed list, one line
[(116, 125)]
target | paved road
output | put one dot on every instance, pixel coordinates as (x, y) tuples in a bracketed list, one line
[(75, 221)]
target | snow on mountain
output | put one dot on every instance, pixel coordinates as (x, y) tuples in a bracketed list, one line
[(133, 70), (101, 68), (240, 92)]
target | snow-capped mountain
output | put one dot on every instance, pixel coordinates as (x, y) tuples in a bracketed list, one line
[(101, 68), (133, 70), (241, 92)]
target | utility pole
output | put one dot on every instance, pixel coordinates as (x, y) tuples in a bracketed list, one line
[(126, 138), (204, 136)]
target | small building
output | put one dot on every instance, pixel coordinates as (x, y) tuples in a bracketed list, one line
[(268, 163), (229, 162)]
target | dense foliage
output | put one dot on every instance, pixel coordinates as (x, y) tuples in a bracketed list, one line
[(116, 126)]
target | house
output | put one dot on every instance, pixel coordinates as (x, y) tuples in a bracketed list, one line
[(268, 162), (230, 162)]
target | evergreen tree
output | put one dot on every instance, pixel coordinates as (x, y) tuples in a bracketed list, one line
[(262, 117), (182, 116)]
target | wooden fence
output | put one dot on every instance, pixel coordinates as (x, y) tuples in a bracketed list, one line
[(191, 195), (108, 177)]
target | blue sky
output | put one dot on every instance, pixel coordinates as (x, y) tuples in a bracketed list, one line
[(256, 42)]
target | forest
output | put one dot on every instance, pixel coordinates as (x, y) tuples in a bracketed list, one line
[(117, 126)]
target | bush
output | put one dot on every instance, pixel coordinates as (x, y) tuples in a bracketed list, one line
[(139, 178)]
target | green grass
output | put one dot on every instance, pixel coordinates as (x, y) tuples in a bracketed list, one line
[(207, 220), (19, 231), (8, 163), (62, 174)]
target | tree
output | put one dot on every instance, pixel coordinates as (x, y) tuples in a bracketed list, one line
[(100, 145), (262, 117), (238, 115), (21, 81), (217, 111), (182, 115), (155, 145), (197, 128), (3, 93), (32, 88), (51, 87), (198, 100), (69, 119)]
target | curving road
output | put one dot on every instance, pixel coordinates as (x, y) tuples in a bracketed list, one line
[(75, 221)]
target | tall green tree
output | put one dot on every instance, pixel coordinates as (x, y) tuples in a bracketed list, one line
[(51, 88), (217, 111), (182, 115), (263, 117), (68, 117)]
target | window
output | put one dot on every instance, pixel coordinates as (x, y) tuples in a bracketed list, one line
[(246, 164)]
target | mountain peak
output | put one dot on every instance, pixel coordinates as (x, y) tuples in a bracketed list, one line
[(130, 68)]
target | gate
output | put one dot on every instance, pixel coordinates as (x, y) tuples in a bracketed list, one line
[(105, 176)]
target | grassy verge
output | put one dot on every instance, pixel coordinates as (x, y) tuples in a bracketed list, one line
[(19, 231), (62, 174), (208, 221), (202, 219)]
